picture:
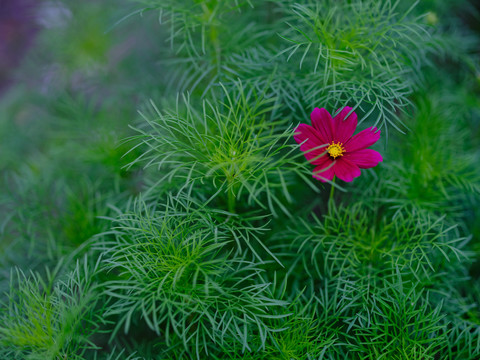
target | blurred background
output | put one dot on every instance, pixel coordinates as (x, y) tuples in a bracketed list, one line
[(71, 79), (60, 62)]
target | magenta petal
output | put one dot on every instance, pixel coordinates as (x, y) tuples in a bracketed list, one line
[(322, 122), (363, 139), (345, 124), (324, 172), (346, 170), (312, 142), (319, 160), (364, 159)]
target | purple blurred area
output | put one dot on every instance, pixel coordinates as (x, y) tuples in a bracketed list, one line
[(17, 31)]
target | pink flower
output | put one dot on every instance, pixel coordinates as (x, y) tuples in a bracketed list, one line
[(329, 144)]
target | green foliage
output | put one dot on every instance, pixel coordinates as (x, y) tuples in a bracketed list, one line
[(233, 149), (399, 324), (430, 168), (187, 20), (174, 267), (206, 36), (382, 286), (369, 54), (412, 241), (203, 235), (363, 53), (50, 319)]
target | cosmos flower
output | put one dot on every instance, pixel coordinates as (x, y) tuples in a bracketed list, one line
[(329, 145)]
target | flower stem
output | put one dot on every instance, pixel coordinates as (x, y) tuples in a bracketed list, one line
[(332, 191)]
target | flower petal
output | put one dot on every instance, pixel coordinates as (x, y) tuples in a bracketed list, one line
[(324, 171), (322, 122), (319, 160), (346, 170), (312, 142), (345, 124), (363, 139), (364, 159)]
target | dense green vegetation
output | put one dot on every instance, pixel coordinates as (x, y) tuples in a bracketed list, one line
[(155, 205)]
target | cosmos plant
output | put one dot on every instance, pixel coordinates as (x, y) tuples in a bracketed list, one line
[(273, 179)]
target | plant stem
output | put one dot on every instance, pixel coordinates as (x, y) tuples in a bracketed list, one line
[(231, 200), (332, 191), (214, 34)]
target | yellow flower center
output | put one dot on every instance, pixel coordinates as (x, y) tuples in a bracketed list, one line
[(335, 150)]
